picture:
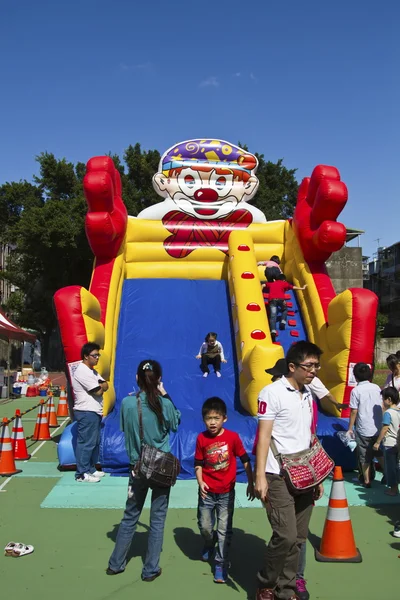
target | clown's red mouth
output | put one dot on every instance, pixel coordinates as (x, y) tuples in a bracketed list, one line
[(206, 212)]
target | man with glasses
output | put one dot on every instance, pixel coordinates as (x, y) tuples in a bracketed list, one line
[(285, 414), (88, 387)]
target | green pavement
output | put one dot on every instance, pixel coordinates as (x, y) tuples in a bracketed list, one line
[(72, 547)]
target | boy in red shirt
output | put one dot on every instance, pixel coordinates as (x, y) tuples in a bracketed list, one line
[(276, 288), (215, 467)]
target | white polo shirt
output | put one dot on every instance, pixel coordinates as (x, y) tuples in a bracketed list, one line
[(318, 388), (291, 412), (84, 380)]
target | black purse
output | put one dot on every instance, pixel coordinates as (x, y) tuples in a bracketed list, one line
[(160, 469)]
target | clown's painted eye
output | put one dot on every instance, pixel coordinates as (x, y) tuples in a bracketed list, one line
[(189, 181), (220, 183)]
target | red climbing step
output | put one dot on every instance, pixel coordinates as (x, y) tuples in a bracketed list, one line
[(289, 304), (294, 333), (287, 296), (291, 313), (292, 322)]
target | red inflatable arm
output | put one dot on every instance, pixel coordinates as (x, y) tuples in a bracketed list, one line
[(106, 218), (320, 200)]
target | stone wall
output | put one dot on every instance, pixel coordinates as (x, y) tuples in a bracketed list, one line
[(384, 347), (345, 269)]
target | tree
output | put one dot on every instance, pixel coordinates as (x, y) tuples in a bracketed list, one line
[(51, 250)]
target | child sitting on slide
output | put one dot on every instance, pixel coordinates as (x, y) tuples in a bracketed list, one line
[(276, 287), (211, 353)]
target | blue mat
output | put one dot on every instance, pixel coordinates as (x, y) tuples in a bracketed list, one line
[(111, 493)]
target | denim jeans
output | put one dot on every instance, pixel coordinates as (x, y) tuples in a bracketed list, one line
[(137, 492), (391, 465), (273, 312), (302, 560), (88, 442), (217, 508)]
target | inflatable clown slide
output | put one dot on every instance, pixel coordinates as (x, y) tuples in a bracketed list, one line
[(188, 265)]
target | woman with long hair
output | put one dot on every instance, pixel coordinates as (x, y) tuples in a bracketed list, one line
[(393, 378), (159, 417)]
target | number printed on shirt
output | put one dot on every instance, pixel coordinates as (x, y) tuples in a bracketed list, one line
[(262, 407)]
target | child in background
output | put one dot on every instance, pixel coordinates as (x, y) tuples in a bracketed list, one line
[(215, 467), (366, 415), (211, 353), (276, 288), (388, 437), (272, 269)]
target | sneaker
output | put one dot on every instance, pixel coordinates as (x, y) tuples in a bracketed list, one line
[(111, 572), (301, 589), (218, 373), (282, 325), (265, 594), (152, 577), (396, 531), (220, 574), (205, 374), (98, 474), (89, 478), (208, 551)]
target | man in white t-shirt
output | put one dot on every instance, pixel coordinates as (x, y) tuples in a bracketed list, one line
[(88, 387), (366, 415), (285, 414)]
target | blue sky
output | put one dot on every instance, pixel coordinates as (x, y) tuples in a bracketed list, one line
[(308, 82)]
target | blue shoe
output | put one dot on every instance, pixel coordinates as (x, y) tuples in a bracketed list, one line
[(220, 574), (208, 551)]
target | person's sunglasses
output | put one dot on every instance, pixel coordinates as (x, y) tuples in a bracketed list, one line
[(309, 366), (95, 355)]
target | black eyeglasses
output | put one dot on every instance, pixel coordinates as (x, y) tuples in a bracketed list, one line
[(309, 366), (95, 355)]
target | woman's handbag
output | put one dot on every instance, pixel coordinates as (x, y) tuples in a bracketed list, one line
[(306, 469), (159, 468)]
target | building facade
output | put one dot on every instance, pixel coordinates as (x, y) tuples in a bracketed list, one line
[(384, 280)]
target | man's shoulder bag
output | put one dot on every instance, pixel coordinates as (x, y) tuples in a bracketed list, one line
[(159, 468), (306, 469)]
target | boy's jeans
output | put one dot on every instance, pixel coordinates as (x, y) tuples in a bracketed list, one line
[(217, 508), (137, 492), (273, 308), (391, 465)]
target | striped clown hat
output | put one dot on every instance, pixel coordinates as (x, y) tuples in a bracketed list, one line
[(208, 153)]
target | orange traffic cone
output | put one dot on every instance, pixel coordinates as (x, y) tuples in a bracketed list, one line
[(337, 543), (42, 431), (62, 408), (18, 439), (7, 463), (51, 411)]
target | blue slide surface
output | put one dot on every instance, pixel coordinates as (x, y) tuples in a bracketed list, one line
[(167, 320)]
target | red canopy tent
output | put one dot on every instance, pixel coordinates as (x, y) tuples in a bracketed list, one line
[(10, 331)]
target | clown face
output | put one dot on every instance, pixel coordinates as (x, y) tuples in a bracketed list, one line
[(205, 192)]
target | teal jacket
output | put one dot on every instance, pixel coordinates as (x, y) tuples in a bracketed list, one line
[(154, 434)]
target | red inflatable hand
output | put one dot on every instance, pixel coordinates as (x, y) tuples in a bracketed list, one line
[(320, 200), (106, 218)]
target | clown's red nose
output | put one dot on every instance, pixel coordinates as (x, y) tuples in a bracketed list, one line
[(206, 195)]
